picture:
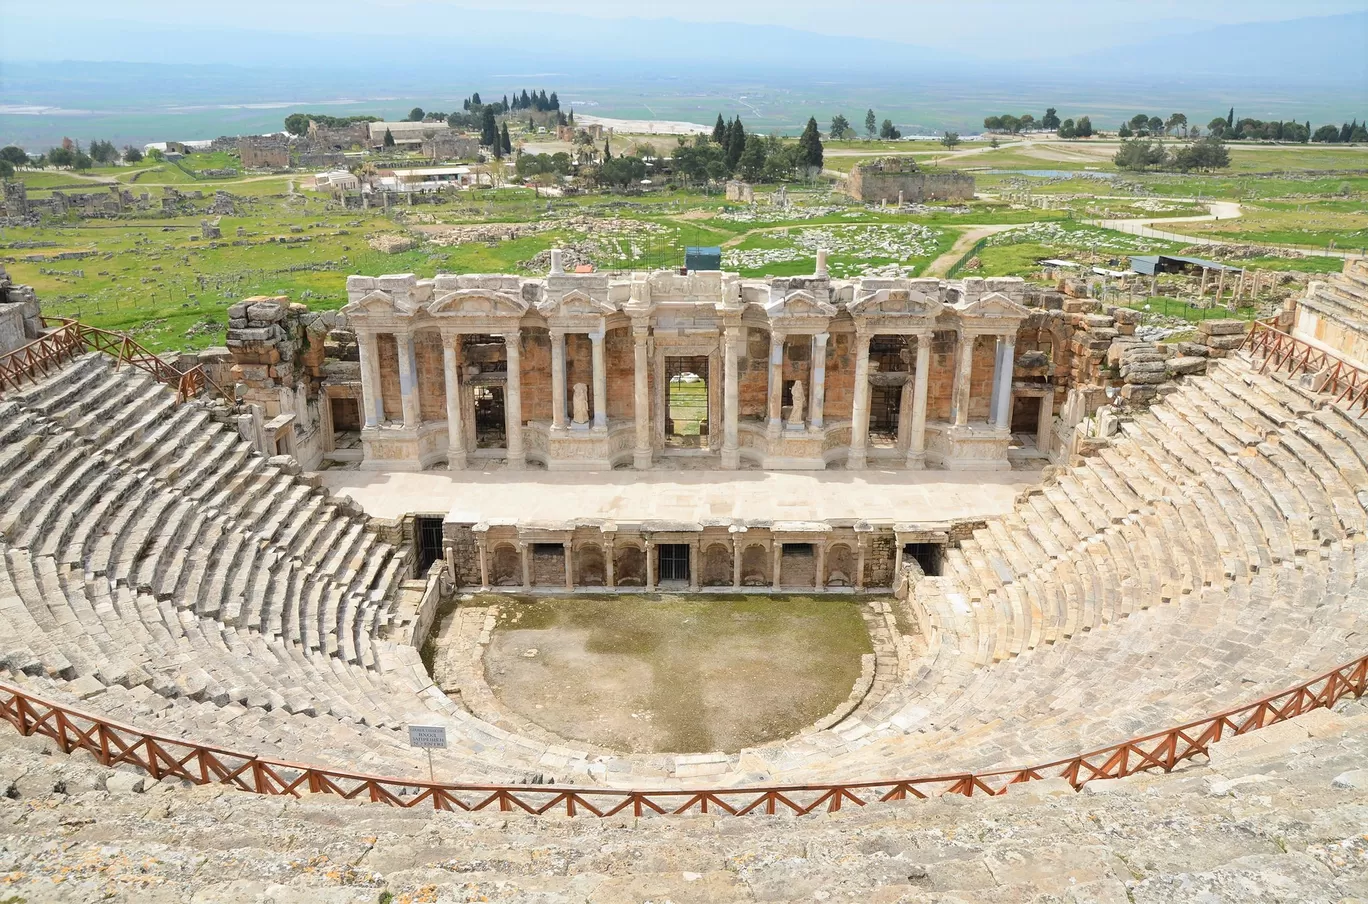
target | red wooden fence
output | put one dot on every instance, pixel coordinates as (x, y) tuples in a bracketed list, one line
[(72, 338), (1280, 351), (112, 743)]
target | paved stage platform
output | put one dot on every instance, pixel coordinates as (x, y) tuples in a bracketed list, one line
[(541, 496)]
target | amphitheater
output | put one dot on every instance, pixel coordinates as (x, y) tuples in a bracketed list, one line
[(1135, 677)]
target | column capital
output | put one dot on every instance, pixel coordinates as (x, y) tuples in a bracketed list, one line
[(923, 340), (821, 338), (512, 336), (640, 332), (559, 331)]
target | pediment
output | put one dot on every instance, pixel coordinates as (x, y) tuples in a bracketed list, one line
[(994, 306), (377, 302), (896, 303), (477, 303), (573, 303), (800, 303)]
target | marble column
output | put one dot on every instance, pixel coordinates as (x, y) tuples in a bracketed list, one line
[(451, 367), (408, 380), (776, 382), (557, 379), (693, 566), (997, 383), (916, 448), (819, 580), (905, 416), (859, 427), (650, 566), (736, 563), (778, 562), (964, 365), (517, 458), (897, 558), (525, 554), (483, 545), (641, 410), (731, 400), (372, 399), (600, 381), (569, 566), (609, 560), (859, 563), (1002, 418), (1045, 425), (817, 396)]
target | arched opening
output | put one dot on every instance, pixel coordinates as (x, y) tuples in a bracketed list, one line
[(755, 566), (506, 568), (629, 567), (590, 569), (717, 565), (891, 365), (840, 565)]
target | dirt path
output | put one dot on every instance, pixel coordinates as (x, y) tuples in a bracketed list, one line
[(941, 265)]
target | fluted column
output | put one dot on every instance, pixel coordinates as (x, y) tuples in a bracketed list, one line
[(517, 458), (408, 380), (997, 382), (818, 393), (525, 554), (600, 381), (859, 427), (483, 544), (693, 566), (650, 565), (609, 559), (641, 403), (964, 363), (569, 566), (372, 399), (736, 563), (1002, 417), (557, 379), (916, 448), (776, 382), (778, 560), (819, 580), (451, 367), (731, 400)]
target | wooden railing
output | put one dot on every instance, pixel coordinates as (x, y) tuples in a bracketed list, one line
[(162, 757), (1272, 349), (70, 338)]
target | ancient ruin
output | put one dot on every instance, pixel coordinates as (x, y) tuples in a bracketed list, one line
[(898, 180)]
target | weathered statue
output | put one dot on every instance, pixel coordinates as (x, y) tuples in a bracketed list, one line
[(795, 418), (581, 404)]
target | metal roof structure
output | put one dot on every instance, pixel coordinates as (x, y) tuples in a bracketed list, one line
[(1150, 264)]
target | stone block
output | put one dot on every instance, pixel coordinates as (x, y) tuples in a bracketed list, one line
[(124, 783), (1098, 321), (1108, 333), (266, 311), (1222, 327), (1126, 315), (1227, 343), (238, 311), (1190, 349), (1138, 394), (1187, 365), (262, 334)]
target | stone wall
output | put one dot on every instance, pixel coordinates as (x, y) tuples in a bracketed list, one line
[(20, 316), (264, 153), (898, 180)]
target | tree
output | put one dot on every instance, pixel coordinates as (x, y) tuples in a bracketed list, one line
[(950, 139), (416, 114), (870, 123), (132, 155), (888, 131), (474, 99), (734, 143), (155, 155), (1347, 131), (14, 155), (505, 142), (1140, 154), (1207, 154), (1230, 119), (1067, 129), (81, 161), (607, 151), (719, 132), (1217, 126), (1051, 120), (388, 140), (1328, 134), (840, 127), (1027, 122), (1124, 131), (622, 171), (1156, 125), (1139, 124), (992, 123), (751, 165), (65, 157), (489, 129), (555, 101), (1176, 122), (1085, 129), (810, 146)]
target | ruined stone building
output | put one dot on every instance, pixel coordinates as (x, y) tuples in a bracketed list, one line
[(899, 180), (592, 371), (264, 152)]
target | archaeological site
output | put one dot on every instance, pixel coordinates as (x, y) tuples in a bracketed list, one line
[(1067, 590)]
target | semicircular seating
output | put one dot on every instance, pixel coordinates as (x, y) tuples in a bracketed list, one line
[(156, 569)]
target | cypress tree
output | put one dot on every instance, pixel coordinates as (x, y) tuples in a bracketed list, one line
[(1230, 119), (504, 140), (572, 116), (555, 101), (489, 130), (607, 152), (810, 145), (736, 142), (526, 101), (719, 135), (388, 139), (542, 101)]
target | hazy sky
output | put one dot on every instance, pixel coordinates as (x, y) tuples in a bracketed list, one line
[(911, 21)]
